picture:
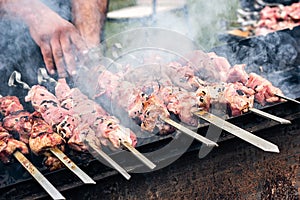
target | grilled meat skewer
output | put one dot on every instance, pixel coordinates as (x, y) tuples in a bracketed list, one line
[(10, 146), (93, 115), (31, 128), (41, 138), (142, 104)]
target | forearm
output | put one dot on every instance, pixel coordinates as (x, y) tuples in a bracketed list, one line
[(89, 17), (29, 11)]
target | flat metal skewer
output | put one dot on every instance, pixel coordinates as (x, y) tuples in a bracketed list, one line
[(267, 115), (72, 166), (42, 76), (98, 154), (16, 77), (239, 132), (50, 189), (287, 98), (140, 156), (189, 132)]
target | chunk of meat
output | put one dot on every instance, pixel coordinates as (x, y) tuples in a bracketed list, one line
[(264, 90)]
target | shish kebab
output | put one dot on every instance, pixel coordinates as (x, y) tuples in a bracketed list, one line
[(214, 68), (217, 69), (112, 83), (107, 127), (39, 135), (239, 93), (96, 117), (30, 129), (149, 112), (10, 146), (53, 113)]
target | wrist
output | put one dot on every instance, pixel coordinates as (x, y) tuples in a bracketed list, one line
[(29, 11)]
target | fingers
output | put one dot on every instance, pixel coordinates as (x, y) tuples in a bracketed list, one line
[(47, 55), (60, 51), (58, 56), (69, 54)]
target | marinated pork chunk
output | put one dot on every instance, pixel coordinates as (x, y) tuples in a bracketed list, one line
[(93, 117), (32, 129), (10, 104), (42, 136), (64, 122), (18, 122), (8, 145), (239, 98), (264, 90), (135, 101), (47, 104)]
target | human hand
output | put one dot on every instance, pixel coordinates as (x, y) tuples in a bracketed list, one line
[(59, 41)]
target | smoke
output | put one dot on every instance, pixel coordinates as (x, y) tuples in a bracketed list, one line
[(19, 52)]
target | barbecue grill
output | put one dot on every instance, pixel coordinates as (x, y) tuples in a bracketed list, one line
[(235, 170)]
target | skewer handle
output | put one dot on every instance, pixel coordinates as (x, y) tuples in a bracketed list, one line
[(72, 166), (267, 115), (140, 156), (50, 189), (98, 154), (287, 98)]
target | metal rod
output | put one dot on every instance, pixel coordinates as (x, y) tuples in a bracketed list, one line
[(140, 156), (72, 166), (189, 132), (98, 154), (269, 116), (287, 98), (239, 132), (50, 189)]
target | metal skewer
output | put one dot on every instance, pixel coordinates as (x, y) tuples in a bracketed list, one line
[(50, 189), (137, 154), (287, 98), (98, 154), (16, 76), (189, 132), (72, 166), (214, 91), (43, 75), (269, 116), (237, 131)]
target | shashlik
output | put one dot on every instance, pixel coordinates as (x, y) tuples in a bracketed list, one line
[(235, 87), (76, 125), (93, 115), (32, 130), (8, 145)]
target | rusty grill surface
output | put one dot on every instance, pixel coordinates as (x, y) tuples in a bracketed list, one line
[(235, 170)]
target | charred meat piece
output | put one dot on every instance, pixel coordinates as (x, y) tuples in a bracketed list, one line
[(42, 136), (137, 101), (52, 162), (93, 118), (10, 104), (18, 122), (47, 104), (8, 145)]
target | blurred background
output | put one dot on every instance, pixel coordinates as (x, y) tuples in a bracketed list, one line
[(203, 21)]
